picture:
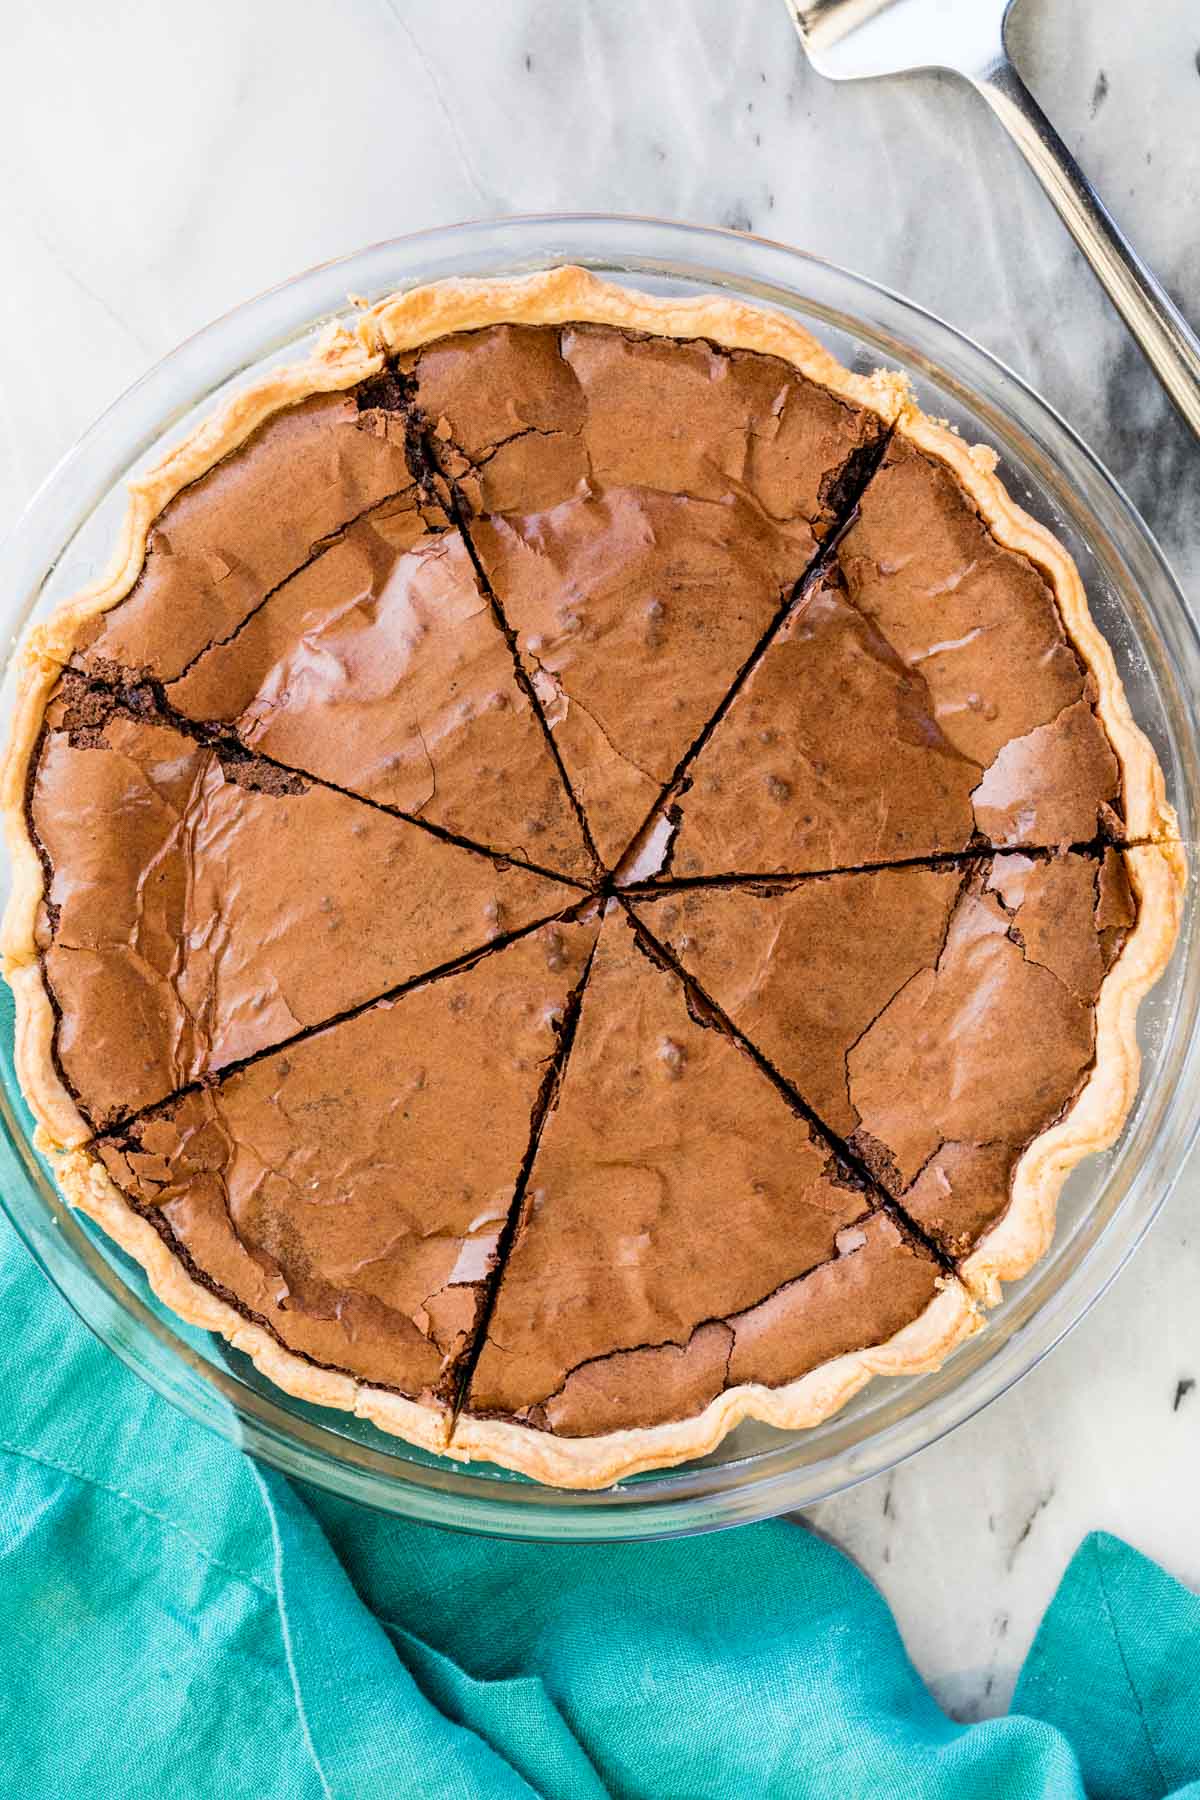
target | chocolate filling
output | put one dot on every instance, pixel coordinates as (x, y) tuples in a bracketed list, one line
[(896, 1000), (629, 582), (684, 1211), (204, 905), (279, 1180), (89, 701), (645, 582)]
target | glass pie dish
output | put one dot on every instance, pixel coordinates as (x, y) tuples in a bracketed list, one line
[(64, 540)]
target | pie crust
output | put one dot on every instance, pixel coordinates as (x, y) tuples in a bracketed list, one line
[(347, 354)]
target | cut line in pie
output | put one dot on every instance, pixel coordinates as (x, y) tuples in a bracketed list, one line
[(643, 512), (276, 1186), (201, 909), (921, 697), (896, 1002)]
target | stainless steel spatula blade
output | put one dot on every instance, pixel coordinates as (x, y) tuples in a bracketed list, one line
[(850, 40)]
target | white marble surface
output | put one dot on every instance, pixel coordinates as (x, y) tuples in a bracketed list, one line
[(163, 161)]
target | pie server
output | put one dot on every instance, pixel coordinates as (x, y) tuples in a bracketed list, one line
[(849, 39)]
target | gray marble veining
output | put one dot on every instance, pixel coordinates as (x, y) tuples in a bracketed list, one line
[(162, 163)]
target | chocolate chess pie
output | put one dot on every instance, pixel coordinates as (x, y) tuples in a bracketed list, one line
[(585, 874)]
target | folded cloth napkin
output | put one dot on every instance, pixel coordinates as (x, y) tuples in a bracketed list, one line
[(177, 1621)]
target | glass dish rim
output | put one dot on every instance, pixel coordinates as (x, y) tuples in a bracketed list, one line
[(314, 1453)]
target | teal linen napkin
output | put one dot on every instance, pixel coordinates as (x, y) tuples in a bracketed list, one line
[(175, 1621)]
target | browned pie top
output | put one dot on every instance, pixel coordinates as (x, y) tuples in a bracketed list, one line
[(231, 537), (378, 667), (935, 1017), (643, 509), (683, 1230), (351, 1190), (982, 727), (351, 967), (201, 909)]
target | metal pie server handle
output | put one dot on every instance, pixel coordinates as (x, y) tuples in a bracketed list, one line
[(1143, 303)]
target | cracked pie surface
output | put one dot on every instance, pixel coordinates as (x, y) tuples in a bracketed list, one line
[(584, 875)]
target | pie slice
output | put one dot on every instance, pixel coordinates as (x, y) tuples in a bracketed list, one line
[(379, 667), (1008, 687), (198, 911), (346, 1195), (828, 758), (642, 509), (686, 1241), (938, 1019), (921, 697), (247, 522)]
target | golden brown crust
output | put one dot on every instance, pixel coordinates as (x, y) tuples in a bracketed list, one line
[(1021, 1238), (339, 361), (1159, 874), (567, 294), (346, 355), (87, 1186), (920, 1346), (596, 1462), (59, 1120), (1147, 812)]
